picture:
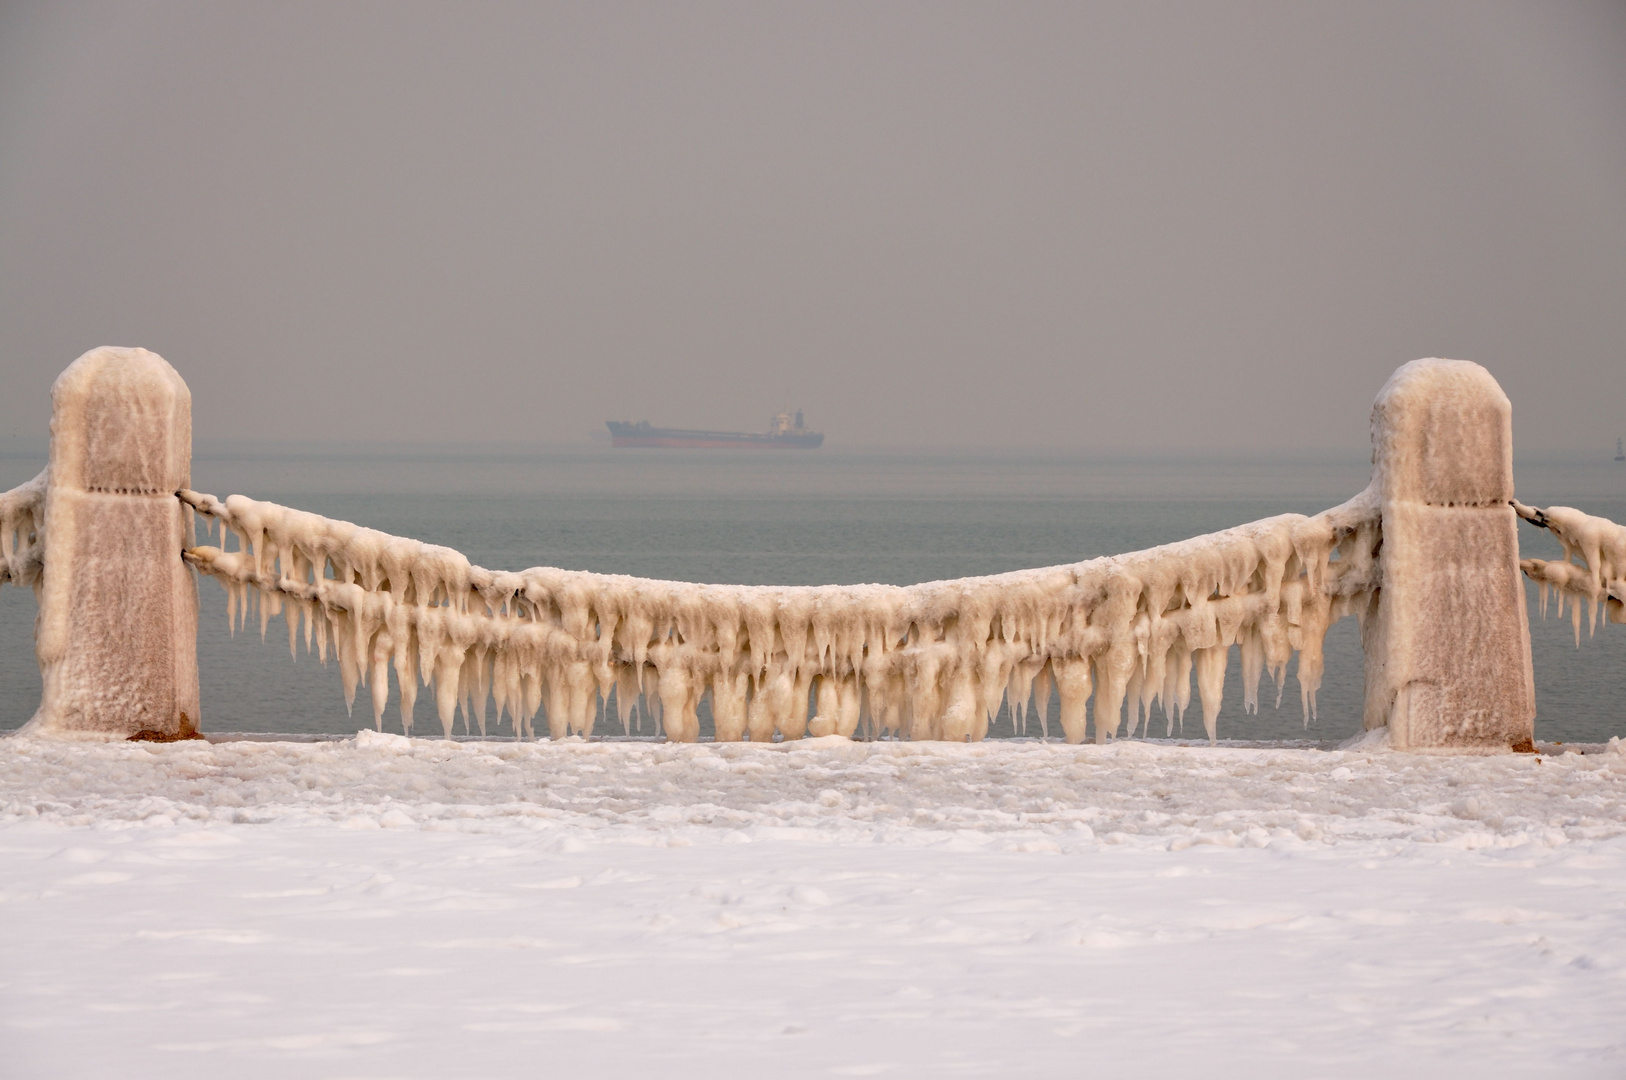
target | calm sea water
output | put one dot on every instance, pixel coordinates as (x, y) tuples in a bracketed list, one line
[(811, 518)]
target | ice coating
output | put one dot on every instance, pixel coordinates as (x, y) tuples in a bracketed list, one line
[(22, 532), (1593, 568), (101, 537), (1447, 641), (117, 629), (928, 661)]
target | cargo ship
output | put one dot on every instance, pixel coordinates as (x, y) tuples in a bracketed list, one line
[(785, 433)]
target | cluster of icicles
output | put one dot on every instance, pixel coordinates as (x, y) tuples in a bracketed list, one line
[(22, 532), (1598, 578), (930, 661)]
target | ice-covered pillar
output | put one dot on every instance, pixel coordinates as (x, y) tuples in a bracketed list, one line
[(117, 632), (1447, 641)]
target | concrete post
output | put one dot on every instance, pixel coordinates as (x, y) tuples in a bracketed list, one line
[(117, 635), (1447, 640)]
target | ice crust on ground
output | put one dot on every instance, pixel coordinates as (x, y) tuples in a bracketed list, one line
[(928, 662), (1593, 569), (1004, 795)]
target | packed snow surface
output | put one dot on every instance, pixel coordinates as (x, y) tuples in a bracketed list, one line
[(929, 661), (392, 907), (1010, 792)]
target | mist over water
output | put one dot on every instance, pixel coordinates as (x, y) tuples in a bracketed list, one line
[(811, 518)]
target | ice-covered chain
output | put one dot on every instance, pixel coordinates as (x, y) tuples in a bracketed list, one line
[(22, 532), (928, 661), (1599, 578)]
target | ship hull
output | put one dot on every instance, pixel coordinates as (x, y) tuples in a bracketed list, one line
[(638, 435)]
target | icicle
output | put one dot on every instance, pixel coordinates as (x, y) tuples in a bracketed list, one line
[(728, 706), (828, 707), (1073, 686), (382, 647), (1042, 690), (626, 695), (1210, 665), (1253, 667), (1132, 693)]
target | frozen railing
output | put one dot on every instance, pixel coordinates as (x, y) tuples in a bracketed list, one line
[(930, 661), (1598, 579), (22, 532), (1427, 556)]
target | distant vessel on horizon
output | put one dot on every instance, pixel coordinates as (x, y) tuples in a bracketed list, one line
[(1620, 451), (784, 433)]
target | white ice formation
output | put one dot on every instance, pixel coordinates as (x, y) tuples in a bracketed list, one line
[(1593, 568), (99, 535), (929, 661), (1447, 643), (22, 532)]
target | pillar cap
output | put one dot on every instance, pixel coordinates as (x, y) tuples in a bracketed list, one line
[(1442, 434), (121, 423)]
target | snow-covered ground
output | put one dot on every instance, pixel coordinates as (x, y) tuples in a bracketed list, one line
[(385, 908)]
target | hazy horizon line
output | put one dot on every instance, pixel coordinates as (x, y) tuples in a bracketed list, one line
[(225, 448)]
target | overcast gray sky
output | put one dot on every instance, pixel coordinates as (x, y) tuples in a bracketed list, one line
[(1095, 227)]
